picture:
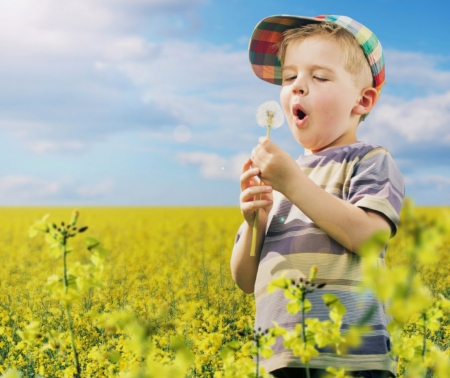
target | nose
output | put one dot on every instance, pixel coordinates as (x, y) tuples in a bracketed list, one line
[(299, 87)]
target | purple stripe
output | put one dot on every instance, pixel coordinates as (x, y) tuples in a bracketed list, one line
[(307, 243), (379, 344), (337, 154)]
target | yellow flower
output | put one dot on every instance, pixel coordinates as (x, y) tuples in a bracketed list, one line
[(313, 273), (31, 333), (337, 373), (278, 283)]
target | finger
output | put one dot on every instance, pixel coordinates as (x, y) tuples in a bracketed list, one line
[(266, 143), (247, 165), (249, 207), (250, 193), (260, 157), (254, 157), (246, 178)]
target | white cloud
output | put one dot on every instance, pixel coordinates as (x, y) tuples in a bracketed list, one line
[(48, 146), (435, 179), (396, 122), (30, 189), (52, 30), (79, 71), (435, 186), (213, 166), (416, 69), (22, 187)]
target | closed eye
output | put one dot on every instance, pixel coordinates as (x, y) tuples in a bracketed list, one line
[(290, 78), (321, 79)]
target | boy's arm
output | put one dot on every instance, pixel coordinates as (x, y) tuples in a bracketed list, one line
[(348, 224), (243, 266)]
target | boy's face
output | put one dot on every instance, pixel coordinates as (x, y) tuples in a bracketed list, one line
[(318, 94)]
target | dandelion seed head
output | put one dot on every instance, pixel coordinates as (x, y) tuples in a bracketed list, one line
[(269, 114)]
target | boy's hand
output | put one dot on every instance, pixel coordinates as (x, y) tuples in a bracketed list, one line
[(278, 168), (250, 190)]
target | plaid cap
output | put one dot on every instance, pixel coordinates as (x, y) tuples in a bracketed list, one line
[(268, 32)]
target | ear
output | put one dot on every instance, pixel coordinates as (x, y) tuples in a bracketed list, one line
[(366, 102)]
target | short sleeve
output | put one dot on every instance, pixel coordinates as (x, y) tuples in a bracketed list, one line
[(377, 184)]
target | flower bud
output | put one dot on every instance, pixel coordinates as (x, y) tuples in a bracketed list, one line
[(74, 218), (313, 273)]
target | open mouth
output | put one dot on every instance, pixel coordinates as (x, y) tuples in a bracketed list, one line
[(298, 112)]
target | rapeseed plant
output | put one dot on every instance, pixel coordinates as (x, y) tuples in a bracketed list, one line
[(75, 280), (167, 274)]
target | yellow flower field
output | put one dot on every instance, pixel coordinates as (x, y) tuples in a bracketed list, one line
[(166, 286)]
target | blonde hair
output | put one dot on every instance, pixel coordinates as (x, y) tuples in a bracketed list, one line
[(356, 62)]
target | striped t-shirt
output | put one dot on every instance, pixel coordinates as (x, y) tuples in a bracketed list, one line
[(366, 176)]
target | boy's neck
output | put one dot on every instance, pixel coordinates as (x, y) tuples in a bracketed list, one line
[(309, 152)]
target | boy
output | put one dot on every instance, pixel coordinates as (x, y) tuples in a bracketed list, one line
[(319, 209)]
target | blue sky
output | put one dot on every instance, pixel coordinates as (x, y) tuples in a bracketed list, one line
[(152, 102)]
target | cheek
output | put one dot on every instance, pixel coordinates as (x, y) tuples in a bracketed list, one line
[(285, 99), (328, 103)]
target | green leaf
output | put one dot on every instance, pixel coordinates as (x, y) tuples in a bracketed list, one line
[(113, 356), (96, 248), (91, 243), (96, 260), (235, 344), (293, 296), (293, 307), (277, 330), (39, 226), (329, 299), (32, 232), (54, 250), (227, 353), (337, 309), (266, 352), (278, 283), (375, 244), (50, 239), (308, 305)]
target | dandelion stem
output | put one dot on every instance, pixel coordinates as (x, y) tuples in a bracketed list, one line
[(255, 223)]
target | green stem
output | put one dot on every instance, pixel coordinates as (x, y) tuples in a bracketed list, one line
[(424, 347), (69, 316), (304, 327), (72, 341), (257, 356), (64, 255), (255, 223)]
